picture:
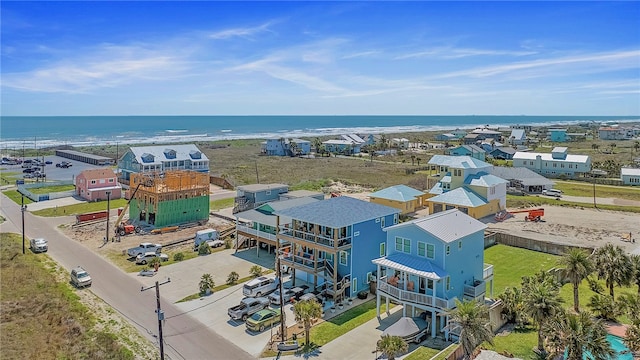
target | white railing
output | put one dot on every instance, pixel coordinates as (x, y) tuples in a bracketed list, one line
[(316, 238), (289, 259), (487, 272), (476, 290), (256, 233), (414, 297)]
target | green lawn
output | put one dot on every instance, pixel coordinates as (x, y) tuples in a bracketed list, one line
[(122, 261), (222, 286), (16, 197), (8, 177), (422, 353), (80, 208), (514, 201), (519, 343), (221, 204), (579, 188), (52, 189)]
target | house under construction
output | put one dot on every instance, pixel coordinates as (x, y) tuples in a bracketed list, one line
[(170, 198)]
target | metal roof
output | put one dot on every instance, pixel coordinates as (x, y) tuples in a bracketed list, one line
[(458, 162), (264, 217), (402, 193), (517, 134), (461, 197), (338, 212), (301, 193), (448, 226), (183, 152), (504, 149), (521, 155), (79, 153), (524, 175), (630, 171), (484, 179), (261, 187), (412, 264)]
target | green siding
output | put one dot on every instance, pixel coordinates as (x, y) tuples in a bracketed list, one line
[(176, 212)]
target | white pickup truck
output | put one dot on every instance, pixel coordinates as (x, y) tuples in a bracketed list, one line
[(144, 248)]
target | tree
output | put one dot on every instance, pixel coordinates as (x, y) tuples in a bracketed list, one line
[(612, 146), (204, 249), (206, 284), (576, 266), (317, 143), (293, 148), (613, 265), (513, 308), (418, 160), (635, 262), (391, 346), (632, 339), (473, 318), (306, 311), (574, 334), (604, 306), (595, 146), (255, 270), (541, 301), (636, 145), (383, 141), (232, 278), (413, 159)]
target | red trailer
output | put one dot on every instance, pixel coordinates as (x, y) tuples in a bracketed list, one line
[(91, 216)]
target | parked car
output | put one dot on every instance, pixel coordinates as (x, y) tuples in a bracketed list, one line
[(80, 277), (28, 170), (263, 319), (259, 286), (38, 245), (247, 307), (288, 294), (552, 192), (144, 248), (48, 162), (143, 259), (28, 176), (312, 296)]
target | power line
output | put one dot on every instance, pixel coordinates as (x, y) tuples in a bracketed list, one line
[(159, 312)]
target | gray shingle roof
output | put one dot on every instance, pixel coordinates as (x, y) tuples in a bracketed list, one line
[(526, 176), (447, 226), (458, 162), (261, 187), (183, 152), (338, 212)]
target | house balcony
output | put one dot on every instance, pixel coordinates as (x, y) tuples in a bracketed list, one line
[(414, 297), (328, 242), (476, 290), (303, 262), (487, 272), (256, 233)]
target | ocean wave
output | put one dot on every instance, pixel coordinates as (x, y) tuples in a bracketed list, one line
[(176, 131)]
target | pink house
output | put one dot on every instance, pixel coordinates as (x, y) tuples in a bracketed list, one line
[(93, 184)]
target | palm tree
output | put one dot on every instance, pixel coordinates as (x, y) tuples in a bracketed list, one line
[(576, 266), (418, 160), (306, 311), (595, 146), (383, 141), (636, 145), (612, 146), (613, 265), (473, 318), (604, 306), (635, 262), (574, 334), (391, 346), (316, 144), (632, 338), (541, 301), (413, 159), (630, 304), (513, 308), (293, 147)]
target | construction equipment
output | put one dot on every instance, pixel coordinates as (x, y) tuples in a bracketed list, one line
[(532, 214), (121, 228)]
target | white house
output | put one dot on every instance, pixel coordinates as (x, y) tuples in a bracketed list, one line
[(555, 164), (630, 176)]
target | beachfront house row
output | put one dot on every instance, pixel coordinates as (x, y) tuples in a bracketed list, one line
[(446, 137), (432, 261), (400, 143), (254, 195), (342, 146), (630, 176), (464, 183), (402, 197), (331, 243), (485, 133), (285, 147), (156, 159), (93, 185), (615, 133), (468, 150), (558, 163), (557, 135)]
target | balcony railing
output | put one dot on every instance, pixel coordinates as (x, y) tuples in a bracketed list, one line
[(256, 233), (479, 288), (487, 272), (414, 297), (317, 238), (306, 262)]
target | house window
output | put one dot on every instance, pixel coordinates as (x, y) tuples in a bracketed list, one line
[(431, 251), (111, 180), (343, 258), (422, 249), (407, 246), (268, 192), (398, 243), (448, 283), (382, 222), (395, 219), (377, 220), (383, 249), (448, 250), (368, 278), (93, 181), (459, 245), (555, 165), (354, 285), (531, 163)]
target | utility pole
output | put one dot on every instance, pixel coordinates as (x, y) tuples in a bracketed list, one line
[(23, 208), (257, 177), (283, 336), (159, 312), (106, 239)]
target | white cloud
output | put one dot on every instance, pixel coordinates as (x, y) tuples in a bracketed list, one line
[(457, 53), (246, 32)]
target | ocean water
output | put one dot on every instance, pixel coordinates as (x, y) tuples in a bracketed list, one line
[(43, 131)]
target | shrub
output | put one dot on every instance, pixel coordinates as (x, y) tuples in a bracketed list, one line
[(255, 270), (232, 278), (227, 244), (154, 261), (178, 256), (204, 249), (206, 283)]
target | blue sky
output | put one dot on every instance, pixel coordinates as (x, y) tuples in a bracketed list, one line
[(320, 58)]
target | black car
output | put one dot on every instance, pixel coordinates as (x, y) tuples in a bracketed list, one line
[(28, 170)]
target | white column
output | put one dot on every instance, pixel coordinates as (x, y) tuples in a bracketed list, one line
[(387, 303), (433, 323), (378, 304)]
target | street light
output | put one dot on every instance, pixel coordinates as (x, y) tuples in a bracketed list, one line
[(108, 209)]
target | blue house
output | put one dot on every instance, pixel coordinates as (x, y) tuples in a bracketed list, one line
[(254, 195), (446, 137), (431, 262), (503, 153), (558, 135), (152, 159), (286, 147), (332, 242), (342, 146), (468, 150)]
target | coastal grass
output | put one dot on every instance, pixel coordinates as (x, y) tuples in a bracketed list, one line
[(518, 343), (222, 286), (577, 188), (8, 177), (129, 265), (52, 189), (515, 201), (422, 353), (221, 204), (81, 208), (44, 318), (16, 197)]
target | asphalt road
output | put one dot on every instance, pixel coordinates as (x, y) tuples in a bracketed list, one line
[(185, 337)]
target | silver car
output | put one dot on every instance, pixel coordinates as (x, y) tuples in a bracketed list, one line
[(38, 245), (80, 277)]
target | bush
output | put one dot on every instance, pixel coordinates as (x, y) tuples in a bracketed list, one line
[(227, 244), (178, 256), (154, 261), (232, 278), (206, 283), (204, 249), (255, 270)]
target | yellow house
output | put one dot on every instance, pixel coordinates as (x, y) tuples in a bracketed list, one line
[(402, 197)]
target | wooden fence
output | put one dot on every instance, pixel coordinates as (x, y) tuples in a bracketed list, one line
[(546, 247)]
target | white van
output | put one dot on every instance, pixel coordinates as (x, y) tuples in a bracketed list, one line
[(259, 286), (552, 192), (207, 235)]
